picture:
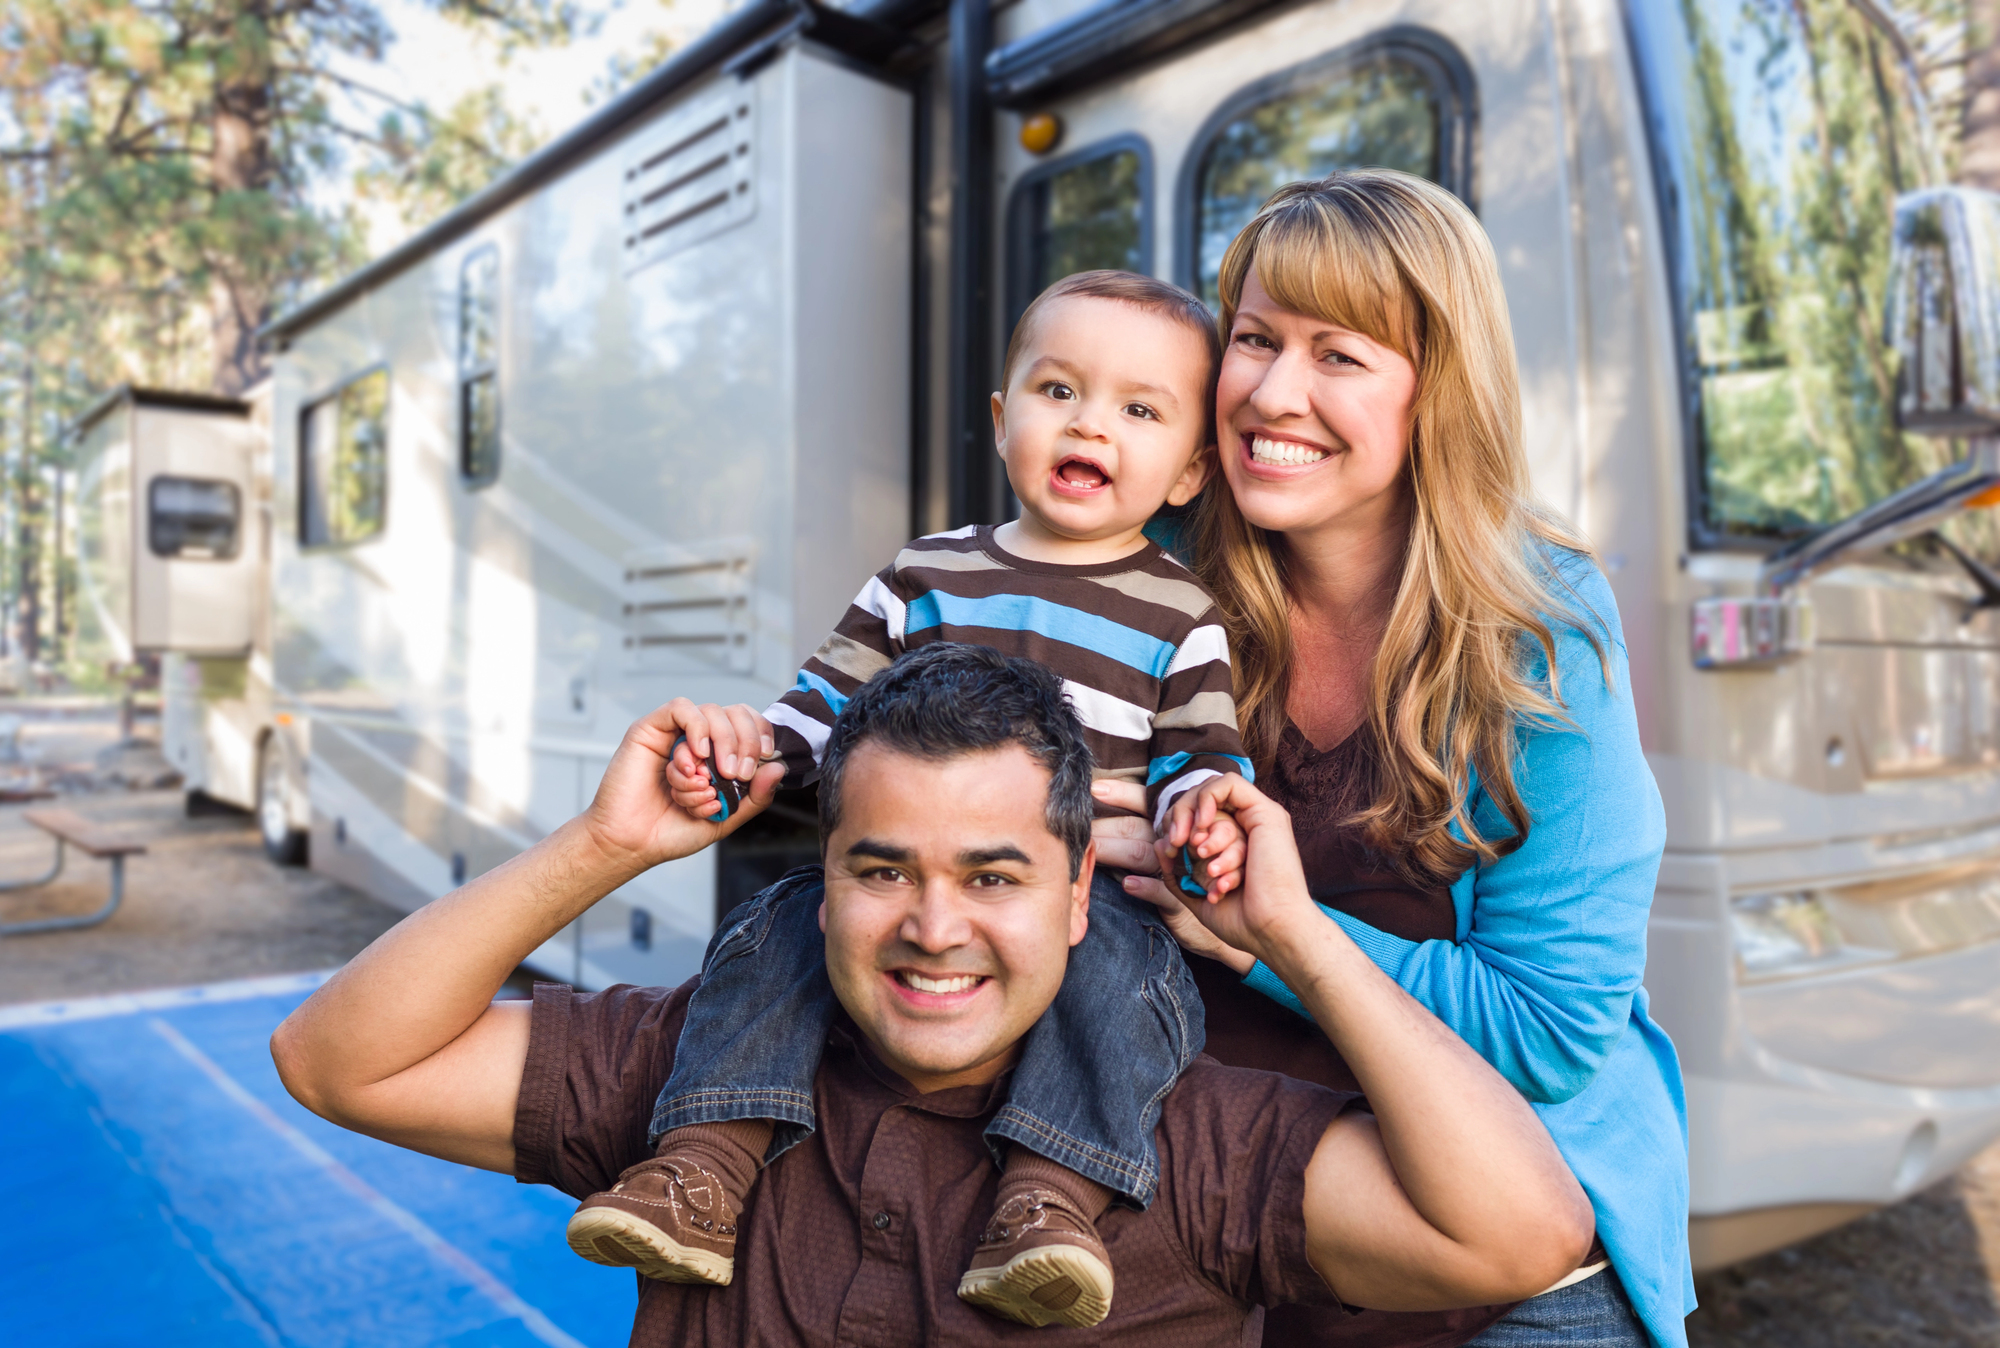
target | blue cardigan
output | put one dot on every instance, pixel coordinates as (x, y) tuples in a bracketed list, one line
[(1542, 979)]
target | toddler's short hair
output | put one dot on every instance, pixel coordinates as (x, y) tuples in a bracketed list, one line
[(1155, 296)]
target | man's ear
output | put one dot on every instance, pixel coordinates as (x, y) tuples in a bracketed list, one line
[(999, 406), (1192, 477), (1079, 894)]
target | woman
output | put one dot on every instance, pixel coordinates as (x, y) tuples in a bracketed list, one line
[(1431, 679)]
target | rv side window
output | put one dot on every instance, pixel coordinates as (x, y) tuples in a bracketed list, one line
[(1084, 212), (479, 367), (192, 517), (1784, 134), (344, 463), (1384, 107)]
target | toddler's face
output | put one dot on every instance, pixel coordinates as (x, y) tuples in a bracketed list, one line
[(1103, 419)]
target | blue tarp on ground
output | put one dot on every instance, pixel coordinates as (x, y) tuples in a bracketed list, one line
[(159, 1187)]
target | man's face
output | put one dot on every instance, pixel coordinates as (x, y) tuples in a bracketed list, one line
[(949, 909)]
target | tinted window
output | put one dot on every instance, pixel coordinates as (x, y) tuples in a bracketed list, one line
[(192, 517), (1086, 214), (1785, 130), (344, 463), (1380, 110), (478, 366)]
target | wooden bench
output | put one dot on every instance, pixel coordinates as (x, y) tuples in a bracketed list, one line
[(71, 829)]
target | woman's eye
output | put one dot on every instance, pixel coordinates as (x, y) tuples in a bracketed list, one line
[(1255, 340), (1340, 358), (1141, 411)]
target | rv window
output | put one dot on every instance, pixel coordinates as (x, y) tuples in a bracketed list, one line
[(344, 463), (1080, 214), (1784, 132), (1383, 109), (478, 366), (192, 517)]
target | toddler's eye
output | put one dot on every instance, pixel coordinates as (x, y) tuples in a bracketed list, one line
[(1142, 411), (1061, 392)]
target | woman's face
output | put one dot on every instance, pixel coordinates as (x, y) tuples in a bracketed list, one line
[(1313, 421)]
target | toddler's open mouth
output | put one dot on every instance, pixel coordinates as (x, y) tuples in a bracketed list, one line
[(1080, 476)]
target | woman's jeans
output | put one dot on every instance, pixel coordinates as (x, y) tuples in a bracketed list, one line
[(1093, 1070), (1589, 1314)]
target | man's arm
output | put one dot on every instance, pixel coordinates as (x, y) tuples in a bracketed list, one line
[(1452, 1194), (406, 1043)]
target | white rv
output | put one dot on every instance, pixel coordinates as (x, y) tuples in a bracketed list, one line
[(639, 419)]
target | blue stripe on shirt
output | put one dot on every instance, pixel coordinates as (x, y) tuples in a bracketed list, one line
[(813, 683), (1162, 768), (1058, 622)]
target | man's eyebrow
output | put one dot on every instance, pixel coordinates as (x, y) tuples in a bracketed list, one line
[(986, 856), (881, 851)]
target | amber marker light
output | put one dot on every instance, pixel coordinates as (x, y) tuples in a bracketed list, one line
[(1041, 132), (1989, 497)]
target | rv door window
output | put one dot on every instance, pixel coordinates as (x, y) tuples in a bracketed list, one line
[(1380, 108), (344, 463), (192, 517), (1783, 132), (479, 367), (1085, 212)]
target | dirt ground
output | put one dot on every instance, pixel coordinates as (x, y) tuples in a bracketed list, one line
[(204, 904)]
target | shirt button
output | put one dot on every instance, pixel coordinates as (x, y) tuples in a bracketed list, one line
[(881, 1221)]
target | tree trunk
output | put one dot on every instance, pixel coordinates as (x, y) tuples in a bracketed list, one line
[(239, 295), (1979, 158)]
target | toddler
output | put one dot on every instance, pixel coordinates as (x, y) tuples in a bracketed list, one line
[(1104, 418)]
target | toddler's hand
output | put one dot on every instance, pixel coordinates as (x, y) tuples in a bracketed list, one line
[(1204, 843), (688, 784)]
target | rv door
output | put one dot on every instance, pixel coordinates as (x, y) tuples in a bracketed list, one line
[(193, 557)]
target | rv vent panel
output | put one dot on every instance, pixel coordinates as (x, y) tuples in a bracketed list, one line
[(691, 175), (690, 609)]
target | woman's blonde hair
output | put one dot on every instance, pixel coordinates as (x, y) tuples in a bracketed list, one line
[(1402, 261)]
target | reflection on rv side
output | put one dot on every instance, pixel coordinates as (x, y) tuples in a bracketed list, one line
[(639, 420)]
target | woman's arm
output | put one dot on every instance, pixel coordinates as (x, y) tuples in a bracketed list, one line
[(1542, 985), (1452, 1194)]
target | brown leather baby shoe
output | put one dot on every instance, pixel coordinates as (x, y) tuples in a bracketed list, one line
[(1040, 1262), (670, 1217)]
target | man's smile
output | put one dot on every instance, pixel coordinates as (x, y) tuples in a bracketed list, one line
[(936, 990)]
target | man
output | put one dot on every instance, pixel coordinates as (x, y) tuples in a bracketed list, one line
[(955, 882)]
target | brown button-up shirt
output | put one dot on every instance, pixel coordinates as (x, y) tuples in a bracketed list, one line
[(859, 1234)]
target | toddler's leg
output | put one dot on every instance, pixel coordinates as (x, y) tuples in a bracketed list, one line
[(742, 1077), (1082, 1108)]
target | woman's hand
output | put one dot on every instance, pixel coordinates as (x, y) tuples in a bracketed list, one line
[(1269, 911), (1128, 843)]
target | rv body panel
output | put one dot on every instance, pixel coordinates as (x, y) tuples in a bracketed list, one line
[(703, 455)]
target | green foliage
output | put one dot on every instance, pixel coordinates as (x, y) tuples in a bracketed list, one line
[(165, 168)]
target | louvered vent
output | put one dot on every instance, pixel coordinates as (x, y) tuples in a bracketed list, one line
[(691, 176), (690, 609)]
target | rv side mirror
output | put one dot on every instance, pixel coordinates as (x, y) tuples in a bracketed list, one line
[(1944, 310)]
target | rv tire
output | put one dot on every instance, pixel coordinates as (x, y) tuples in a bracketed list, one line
[(282, 843)]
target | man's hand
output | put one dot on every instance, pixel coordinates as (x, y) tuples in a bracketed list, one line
[(737, 728), (635, 815)]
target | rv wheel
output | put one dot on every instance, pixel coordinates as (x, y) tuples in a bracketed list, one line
[(285, 845)]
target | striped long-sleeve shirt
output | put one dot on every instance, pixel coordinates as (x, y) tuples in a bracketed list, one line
[(1138, 644)]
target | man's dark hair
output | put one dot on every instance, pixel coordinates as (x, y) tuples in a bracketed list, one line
[(946, 699)]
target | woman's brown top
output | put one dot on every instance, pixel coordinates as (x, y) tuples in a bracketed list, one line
[(1319, 789), (1247, 1029)]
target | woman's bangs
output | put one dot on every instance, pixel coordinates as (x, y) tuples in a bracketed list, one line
[(1316, 262)]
